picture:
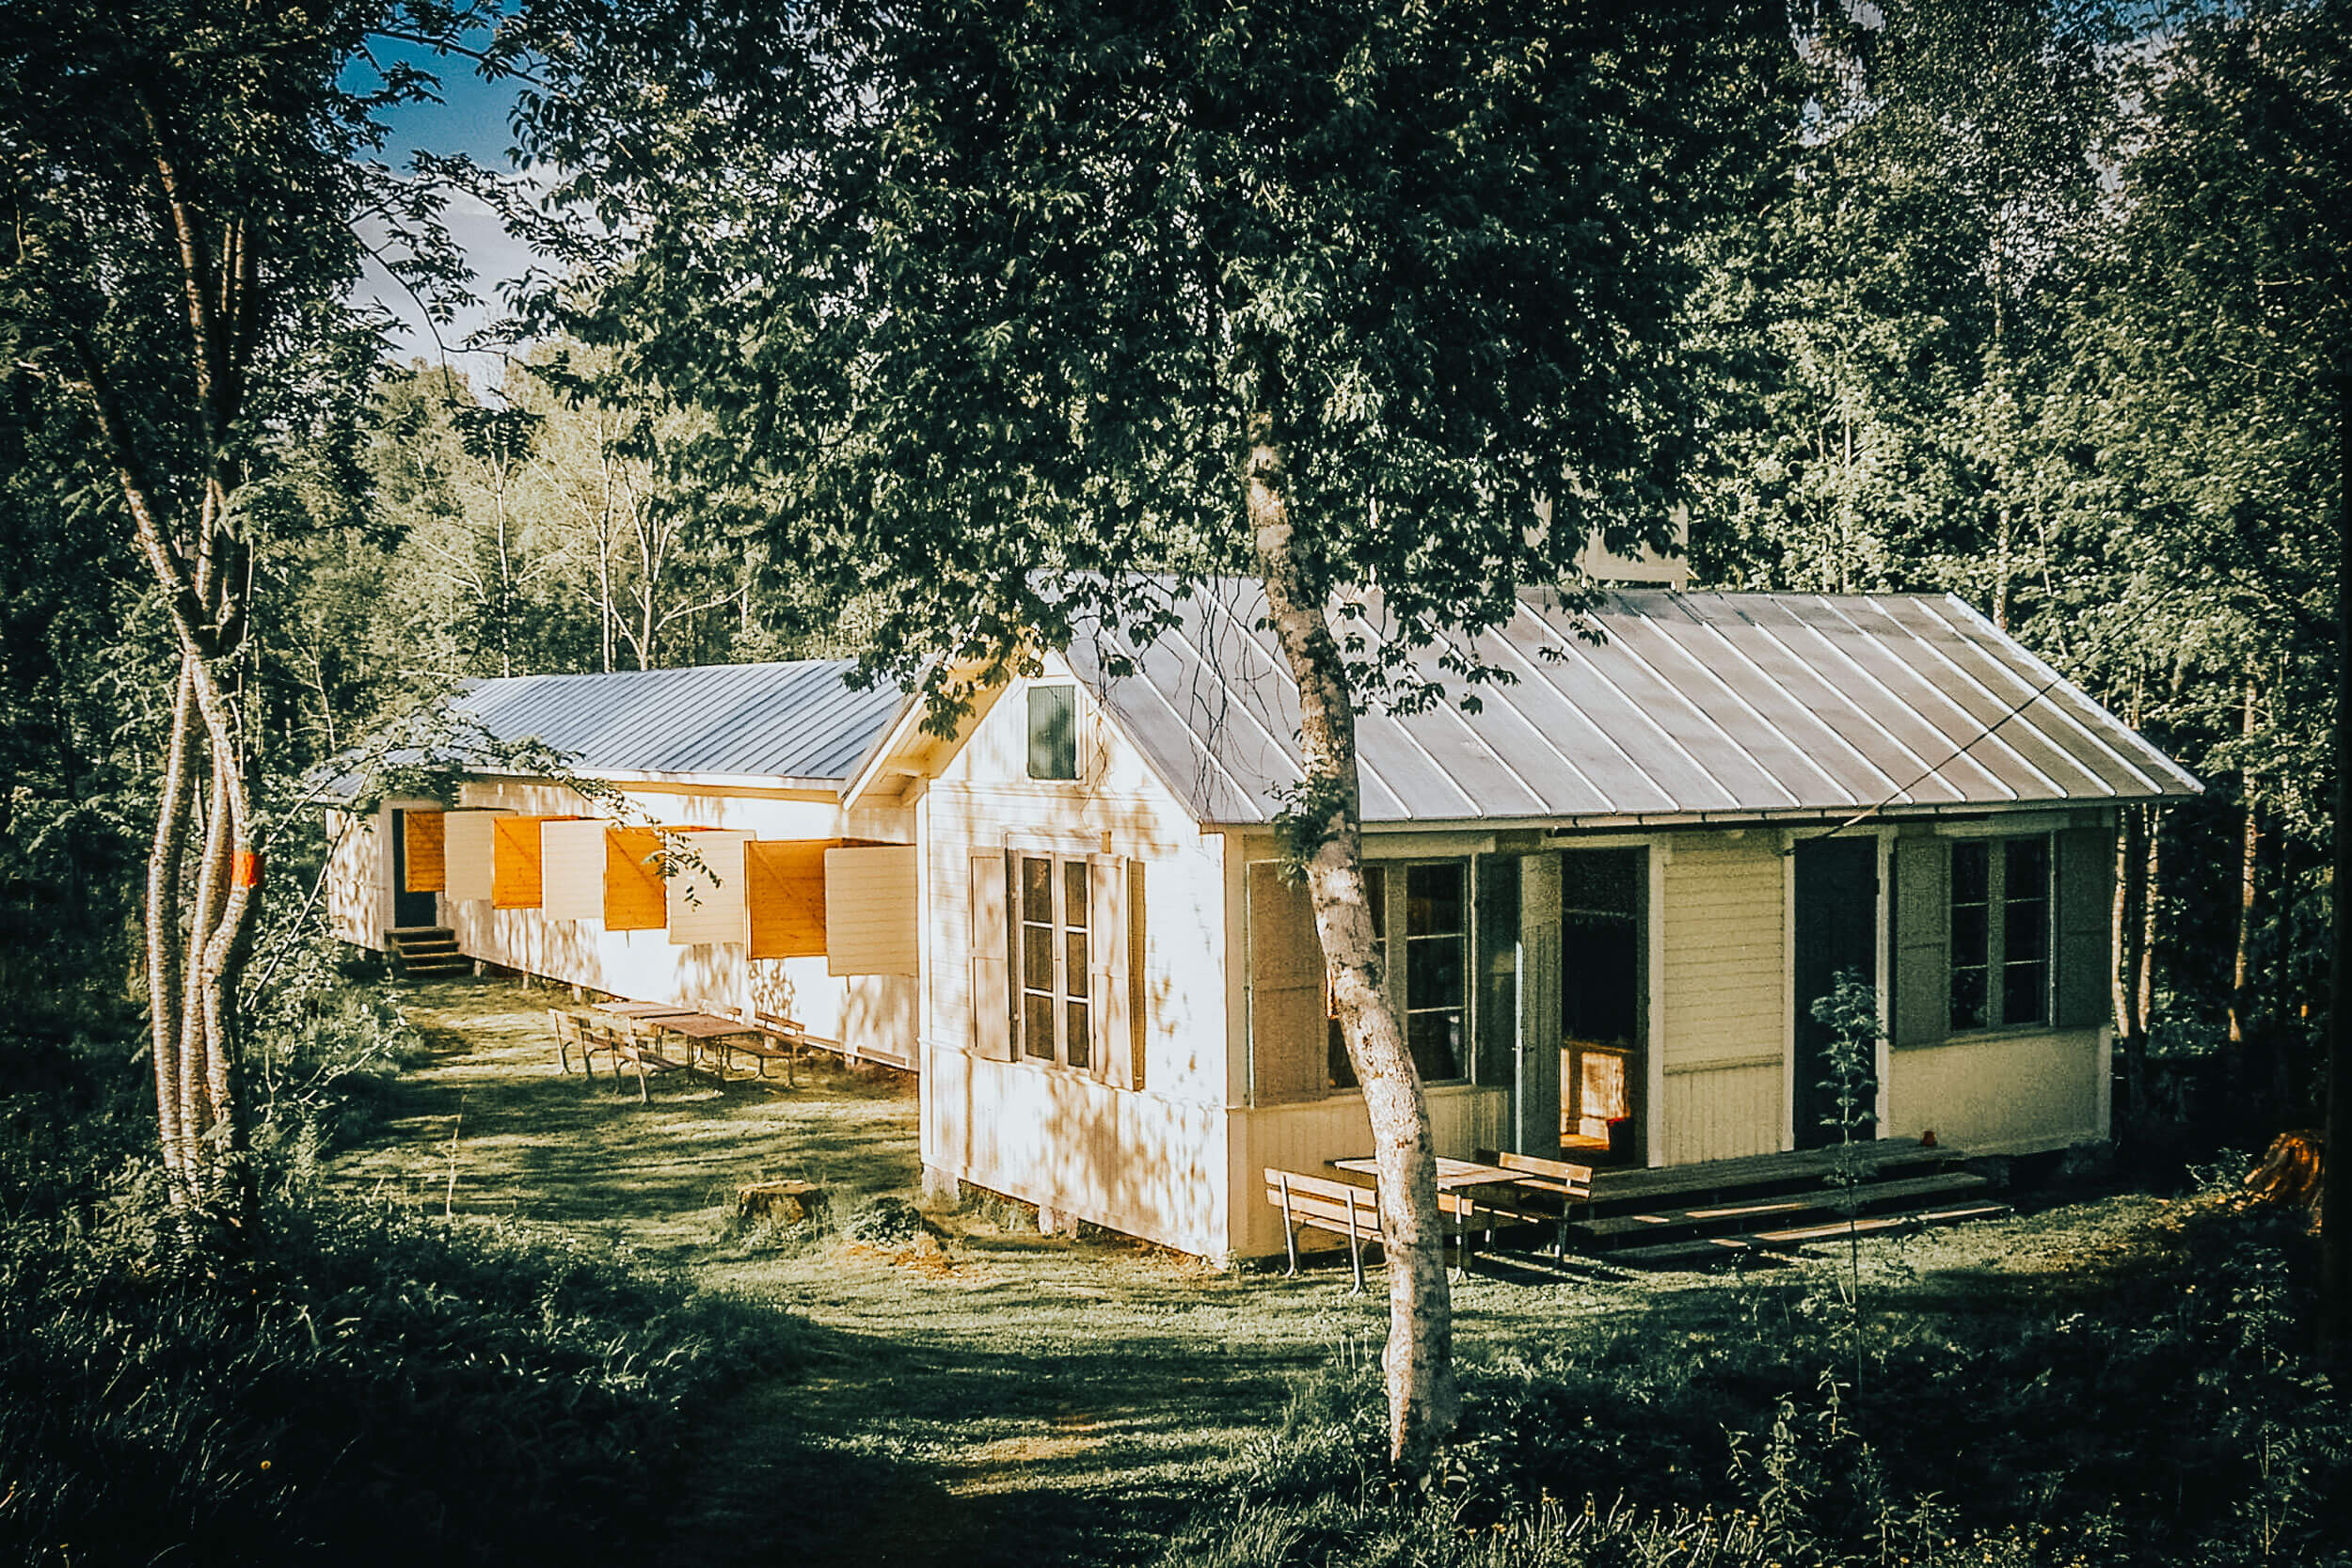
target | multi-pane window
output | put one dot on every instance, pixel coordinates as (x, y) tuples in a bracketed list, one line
[(2000, 932), (1431, 991), (1050, 893)]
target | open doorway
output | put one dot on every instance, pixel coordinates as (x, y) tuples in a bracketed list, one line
[(1604, 990), (1836, 921), (410, 910)]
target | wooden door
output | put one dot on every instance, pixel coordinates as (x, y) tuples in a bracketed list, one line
[(410, 910)]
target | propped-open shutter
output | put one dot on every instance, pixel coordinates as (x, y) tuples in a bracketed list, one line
[(785, 883), (634, 898), (871, 903), (515, 861), (991, 950), (2086, 910), (1289, 1040), (469, 854), (705, 899), (422, 853), (1111, 947), (1923, 914), (571, 869)]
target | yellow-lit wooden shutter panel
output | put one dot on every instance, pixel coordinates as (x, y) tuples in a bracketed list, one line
[(427, 863), (990, 958), (785, 881), (634, 899), (1110, 949), (515, 863), (869, 910)]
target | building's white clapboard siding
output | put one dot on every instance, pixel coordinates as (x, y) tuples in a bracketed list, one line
[(2009, 1092), (1307, 1135), (1148, 1162), (867, 1016), (1724, 1032)]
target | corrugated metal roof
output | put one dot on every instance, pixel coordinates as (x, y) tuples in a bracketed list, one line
[(767, 722), (1687, 705)]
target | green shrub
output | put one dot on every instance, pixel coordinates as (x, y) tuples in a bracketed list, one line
[(360, 1385)]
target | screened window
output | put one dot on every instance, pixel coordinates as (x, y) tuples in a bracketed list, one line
[(1053, 955), (1430, 991), (2000, 932), (1053, 732)]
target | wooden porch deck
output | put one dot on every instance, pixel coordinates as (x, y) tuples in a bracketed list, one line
[(1692, 1216)]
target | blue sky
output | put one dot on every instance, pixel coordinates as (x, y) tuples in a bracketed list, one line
[(472, 117)]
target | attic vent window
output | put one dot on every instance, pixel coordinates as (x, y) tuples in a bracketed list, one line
[(1053, 732)]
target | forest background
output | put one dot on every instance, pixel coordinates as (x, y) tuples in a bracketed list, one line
[(2038, 307)]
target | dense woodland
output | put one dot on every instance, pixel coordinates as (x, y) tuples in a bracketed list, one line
[(2044, 304)]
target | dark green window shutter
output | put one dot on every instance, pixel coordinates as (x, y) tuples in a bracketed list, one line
[(1922, 990), (2086, 936)]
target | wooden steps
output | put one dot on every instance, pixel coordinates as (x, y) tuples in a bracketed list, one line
[(1692, 1216), (425, 950)]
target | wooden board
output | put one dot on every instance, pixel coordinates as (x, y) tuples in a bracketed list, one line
[(470, 853), (514, 876), (706, 902), (571, 870), (425, 857), (784, 882), (871, 902), (634, 897)]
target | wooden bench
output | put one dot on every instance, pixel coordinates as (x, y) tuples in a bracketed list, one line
[(585, 1034), (1346, 1210), (638, 1046), (1571, 1184), (767, 1038)]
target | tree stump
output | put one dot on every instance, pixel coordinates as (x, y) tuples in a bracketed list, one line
[(779, 1203), (2290, 1171)]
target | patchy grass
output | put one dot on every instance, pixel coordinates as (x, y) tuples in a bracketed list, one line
[(987, 1395)]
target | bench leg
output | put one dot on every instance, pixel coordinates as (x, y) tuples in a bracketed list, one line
[(1355, 1243), (1290, 1231)]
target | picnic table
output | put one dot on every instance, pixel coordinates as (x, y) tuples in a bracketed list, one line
[(1453, 1174), (1542, 1191)]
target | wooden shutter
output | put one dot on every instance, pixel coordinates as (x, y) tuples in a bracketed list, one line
[(1110, 948), (991, 968), (634, 897), (706, 902), (515, 861), (423, 851), (1923, 914), (1289, 1021), (870, 904), (2084, 994), (470, 853), (571, 870), (784, 883)]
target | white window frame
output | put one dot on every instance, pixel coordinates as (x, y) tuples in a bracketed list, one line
[(1017, 923)]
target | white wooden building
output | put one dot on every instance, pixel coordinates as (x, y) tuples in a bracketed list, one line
[(1607, 898)]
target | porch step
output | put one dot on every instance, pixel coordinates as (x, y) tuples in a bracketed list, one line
[(1747, 1215), (425, 950)]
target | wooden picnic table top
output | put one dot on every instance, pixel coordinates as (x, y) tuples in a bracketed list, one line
[(1452, 1174), (644, 1009), (701, 1026)]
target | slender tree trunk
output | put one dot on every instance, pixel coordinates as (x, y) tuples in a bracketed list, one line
[(2255, 1074), (163, 865), (2335, 1246), (2151, 903), (1422, 1404)]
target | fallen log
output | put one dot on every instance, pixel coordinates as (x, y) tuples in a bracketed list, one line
[(2291, 1172)]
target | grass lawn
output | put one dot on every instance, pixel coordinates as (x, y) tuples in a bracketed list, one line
[(1003, 1397)]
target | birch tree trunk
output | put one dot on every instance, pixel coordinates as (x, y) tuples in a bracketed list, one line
[(1419, 1362)]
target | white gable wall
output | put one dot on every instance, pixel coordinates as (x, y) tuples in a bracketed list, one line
[(1148, 1162)]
